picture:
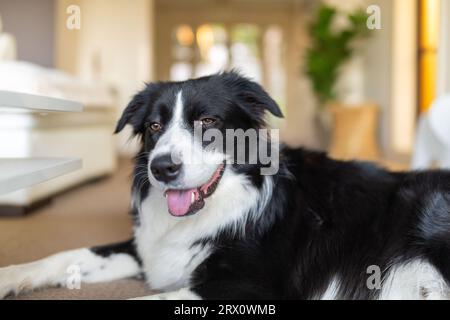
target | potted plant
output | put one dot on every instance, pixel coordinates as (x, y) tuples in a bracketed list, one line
[(330, 49)]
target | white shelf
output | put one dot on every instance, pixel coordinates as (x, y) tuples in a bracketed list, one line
[(18, 173), (24, 102)]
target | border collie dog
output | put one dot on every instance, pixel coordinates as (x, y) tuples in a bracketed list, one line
[(219, 229)]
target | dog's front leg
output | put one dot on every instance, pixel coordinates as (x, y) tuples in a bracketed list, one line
[(70, 268), (182, 294)]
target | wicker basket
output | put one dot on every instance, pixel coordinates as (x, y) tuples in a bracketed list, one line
[(354, 132)]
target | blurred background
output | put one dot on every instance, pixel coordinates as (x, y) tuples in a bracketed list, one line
[(360, 79)]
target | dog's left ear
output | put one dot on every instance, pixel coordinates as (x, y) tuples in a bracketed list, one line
[(252, 94), (137, 108)]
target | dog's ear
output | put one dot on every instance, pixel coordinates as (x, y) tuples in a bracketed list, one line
[(251, 94), (137, 109), (136, 103)]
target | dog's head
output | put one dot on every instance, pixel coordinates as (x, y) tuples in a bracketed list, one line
[(181, 125)]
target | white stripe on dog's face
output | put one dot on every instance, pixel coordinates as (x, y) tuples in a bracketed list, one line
[(198, 165)]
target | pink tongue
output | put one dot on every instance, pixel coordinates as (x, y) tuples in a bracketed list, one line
[(179, 202)]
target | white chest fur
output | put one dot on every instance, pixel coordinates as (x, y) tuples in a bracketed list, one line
[(167, 251), (166, 244)]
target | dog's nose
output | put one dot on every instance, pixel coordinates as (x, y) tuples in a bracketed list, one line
[(164, 169)]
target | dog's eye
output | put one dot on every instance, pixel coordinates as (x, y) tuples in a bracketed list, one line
[(208, 121), (155, 126)]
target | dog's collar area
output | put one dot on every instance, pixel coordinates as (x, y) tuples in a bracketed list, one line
[(182, 203)]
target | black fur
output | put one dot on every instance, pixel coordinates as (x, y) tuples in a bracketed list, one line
[(325, 218), (335, 219), (126, 247)]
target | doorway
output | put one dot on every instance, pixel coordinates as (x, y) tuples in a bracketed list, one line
[(198, 38)]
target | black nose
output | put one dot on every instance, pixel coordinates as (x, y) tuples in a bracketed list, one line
[(164, 169)]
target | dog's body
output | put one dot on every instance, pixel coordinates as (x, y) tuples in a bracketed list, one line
[(317, 229)]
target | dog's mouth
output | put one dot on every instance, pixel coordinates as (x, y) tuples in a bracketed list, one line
[(187, 202)]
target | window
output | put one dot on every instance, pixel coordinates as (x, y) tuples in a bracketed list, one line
[(256, 51)]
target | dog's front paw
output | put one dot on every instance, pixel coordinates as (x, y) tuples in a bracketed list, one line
[(11, 282)]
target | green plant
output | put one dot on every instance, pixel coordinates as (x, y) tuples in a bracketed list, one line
[(331, 48)]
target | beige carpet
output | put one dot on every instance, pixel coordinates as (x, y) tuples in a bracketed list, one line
[(92, 214)]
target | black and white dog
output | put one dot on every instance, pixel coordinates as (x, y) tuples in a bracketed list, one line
[(218, 229)]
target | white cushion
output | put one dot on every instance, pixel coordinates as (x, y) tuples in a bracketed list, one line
[(439, 119)]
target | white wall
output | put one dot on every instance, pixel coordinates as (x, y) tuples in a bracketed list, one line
[(114, 45), (390, 74), (378, 64), (298, 129), (403, 110), (444, 49)]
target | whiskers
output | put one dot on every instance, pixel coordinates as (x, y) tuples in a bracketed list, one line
[(140, 174), (143, 155)]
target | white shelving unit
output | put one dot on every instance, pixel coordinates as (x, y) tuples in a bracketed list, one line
[(11, 101), (18, 173)]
